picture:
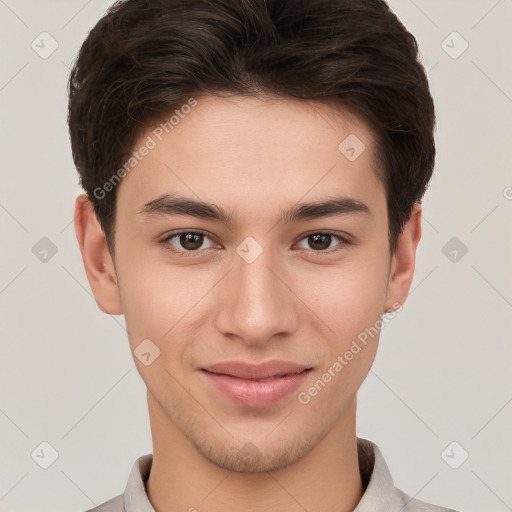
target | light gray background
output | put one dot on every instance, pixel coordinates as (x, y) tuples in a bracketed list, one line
[(443, 370)]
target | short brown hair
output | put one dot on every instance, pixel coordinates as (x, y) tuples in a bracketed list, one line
[(146, 58)]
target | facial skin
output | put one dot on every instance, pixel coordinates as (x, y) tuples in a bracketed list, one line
[(253, 157)]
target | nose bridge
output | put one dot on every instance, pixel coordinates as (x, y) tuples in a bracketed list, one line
[(258, 305)]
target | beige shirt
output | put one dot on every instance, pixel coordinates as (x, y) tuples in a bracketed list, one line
[(380, 493)]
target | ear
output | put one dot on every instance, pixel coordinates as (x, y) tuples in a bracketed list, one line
[(403, 262), (98, 263)]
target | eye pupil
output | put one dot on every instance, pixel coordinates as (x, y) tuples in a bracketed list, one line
[(191, 241), (319, 241)]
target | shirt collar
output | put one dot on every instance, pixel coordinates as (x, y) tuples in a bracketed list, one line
[(380, 493)]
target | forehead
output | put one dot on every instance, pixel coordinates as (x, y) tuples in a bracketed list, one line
[(253, 152)]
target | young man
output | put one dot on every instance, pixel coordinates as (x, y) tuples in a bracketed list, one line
[(254, 172)]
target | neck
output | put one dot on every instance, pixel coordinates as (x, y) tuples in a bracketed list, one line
[(326, 479)]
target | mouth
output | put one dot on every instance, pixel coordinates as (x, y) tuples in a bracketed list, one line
[(256, 386), (250, 371), (266, 379)]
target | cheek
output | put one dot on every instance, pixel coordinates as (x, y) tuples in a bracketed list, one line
[(350, 303), (153, 306), (347, 298), (159, 300), (147, 297)]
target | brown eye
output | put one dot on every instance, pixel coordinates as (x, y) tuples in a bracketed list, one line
[(191, 241), (187, 241), (321, 242)]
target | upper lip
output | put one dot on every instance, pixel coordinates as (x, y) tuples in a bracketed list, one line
[(244, 370)]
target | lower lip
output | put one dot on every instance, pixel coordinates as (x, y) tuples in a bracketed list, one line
[(252, 393)]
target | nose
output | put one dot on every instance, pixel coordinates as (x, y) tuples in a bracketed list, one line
[(256, 301)]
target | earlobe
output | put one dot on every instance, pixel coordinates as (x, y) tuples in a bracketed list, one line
[(96, 258), (403, 262)]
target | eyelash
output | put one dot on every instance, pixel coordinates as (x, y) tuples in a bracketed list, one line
[(182, 253)]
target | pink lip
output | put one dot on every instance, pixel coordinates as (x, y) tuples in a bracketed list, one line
[(243, 370), (233, 379)]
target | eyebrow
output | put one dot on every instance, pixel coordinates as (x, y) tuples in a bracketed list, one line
[(168, 205)]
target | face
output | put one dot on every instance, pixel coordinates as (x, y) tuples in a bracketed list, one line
[(243, 281)]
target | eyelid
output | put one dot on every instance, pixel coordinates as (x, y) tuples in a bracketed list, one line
[(337, 234), (187, 231)]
